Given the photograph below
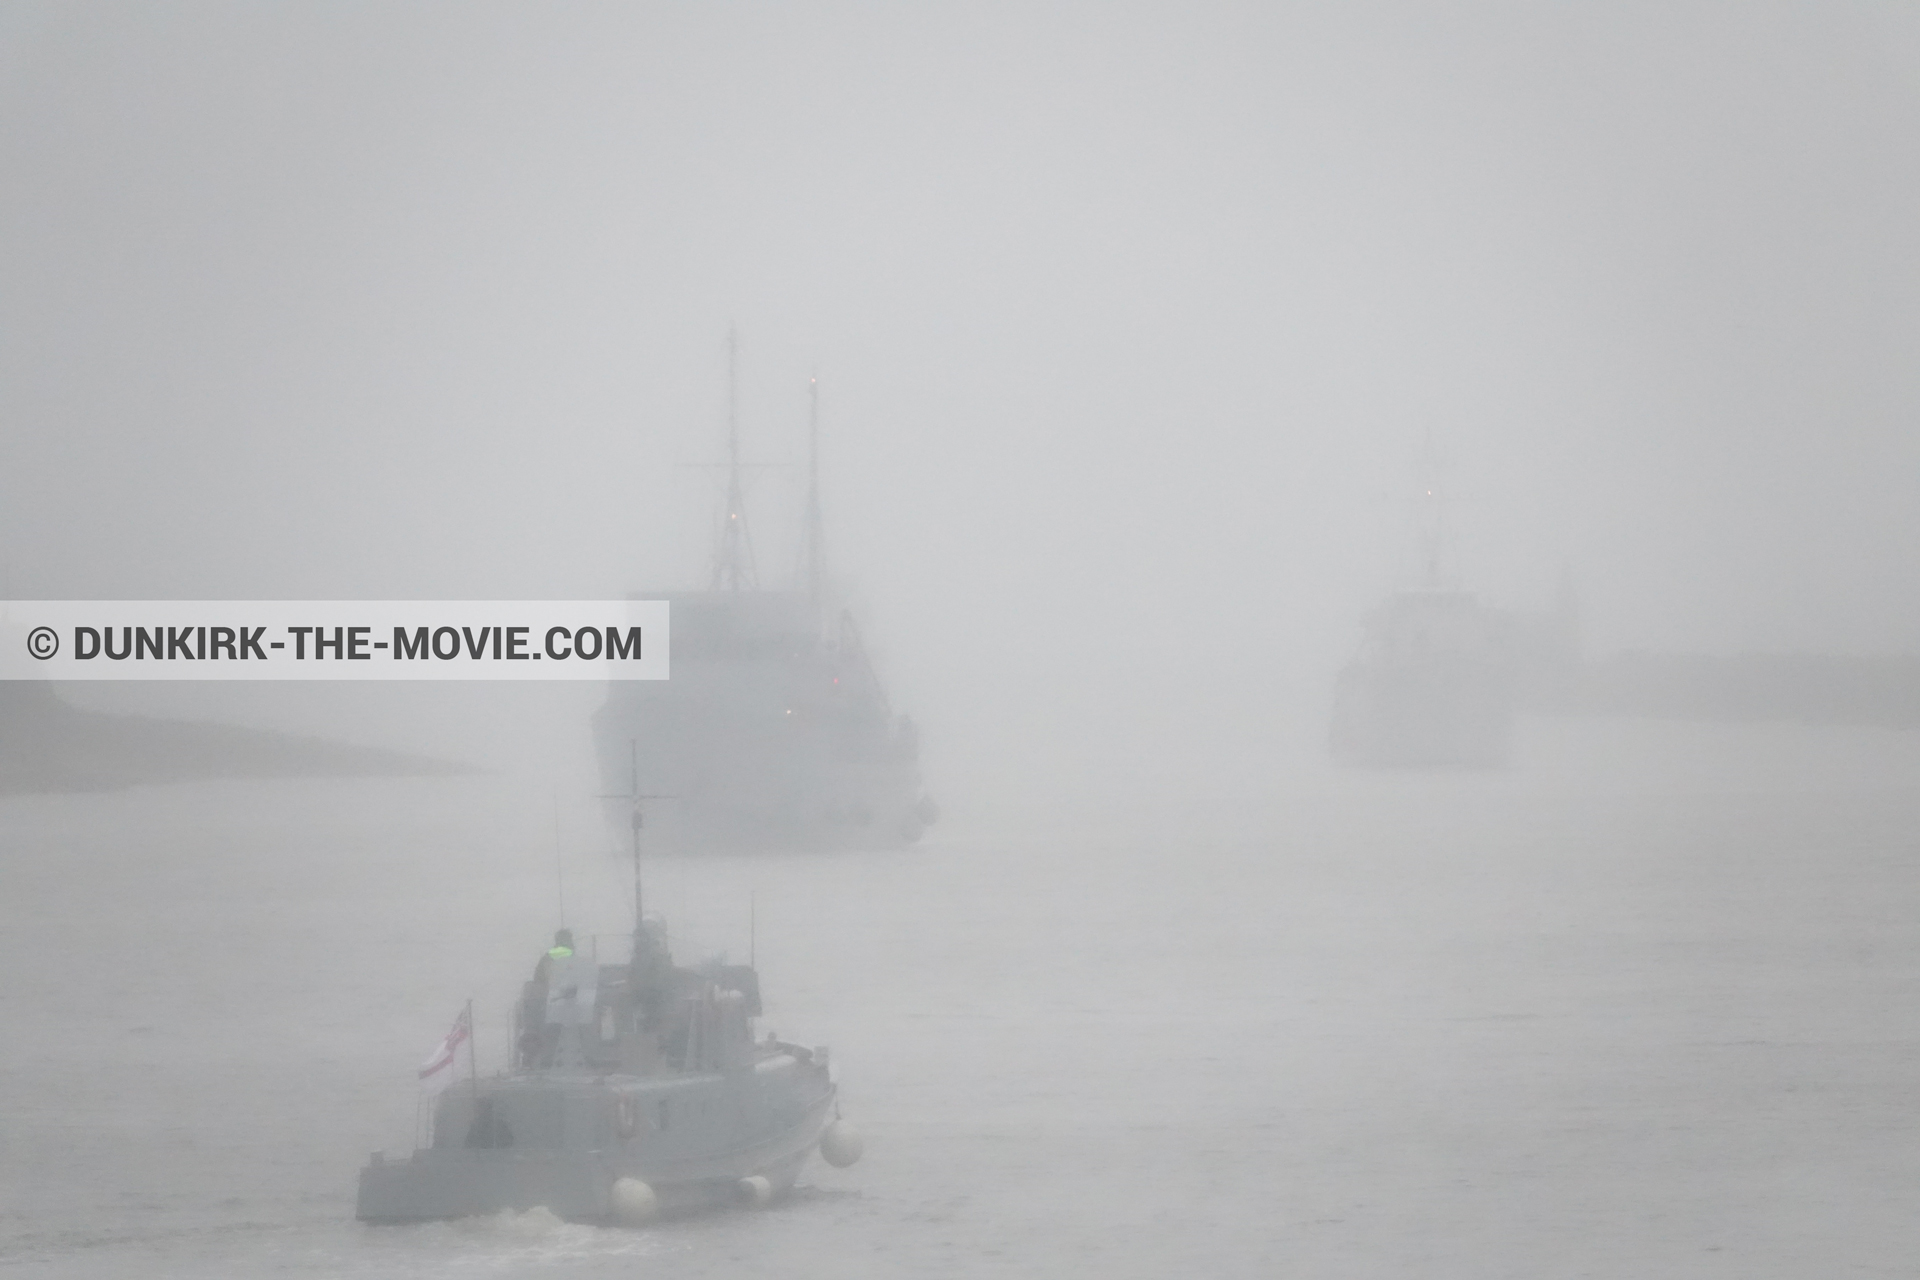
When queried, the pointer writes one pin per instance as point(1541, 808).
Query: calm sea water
point(1647, 1004)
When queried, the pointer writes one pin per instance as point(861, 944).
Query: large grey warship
point(774, 731)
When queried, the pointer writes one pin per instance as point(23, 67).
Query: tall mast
point(816, 542)
point(733, 559)
point(633, 795)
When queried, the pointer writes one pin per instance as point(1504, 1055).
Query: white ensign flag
point(437, 1071)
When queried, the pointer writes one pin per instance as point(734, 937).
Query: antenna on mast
point(816, 538)
point(635, 795)
point(733, 566)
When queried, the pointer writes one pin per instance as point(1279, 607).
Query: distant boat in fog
point(1439, 674)
point(773, 731)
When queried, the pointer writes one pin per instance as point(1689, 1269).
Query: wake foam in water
point(537, 1223)
point(508, 1243)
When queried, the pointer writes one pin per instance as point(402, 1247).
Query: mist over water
point(1131, 326)
point(1639, 1004)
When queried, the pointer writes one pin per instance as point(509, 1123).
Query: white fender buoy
point(756, 1190)
point(634, 1201)
point(841, 1144)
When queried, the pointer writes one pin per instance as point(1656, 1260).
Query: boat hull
point(1433, 687)
point(1443, 716)
point(577, 1184)
point(772, 734)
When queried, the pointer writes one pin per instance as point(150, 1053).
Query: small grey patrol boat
point(638, 1088)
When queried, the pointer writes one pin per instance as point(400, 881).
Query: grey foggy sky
point(1130, 320)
